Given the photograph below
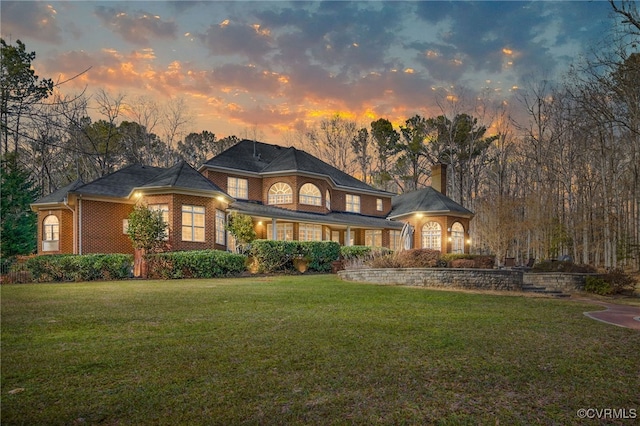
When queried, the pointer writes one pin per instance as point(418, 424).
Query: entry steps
point(543, 290)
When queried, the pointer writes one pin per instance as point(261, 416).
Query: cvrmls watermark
point(607, 413)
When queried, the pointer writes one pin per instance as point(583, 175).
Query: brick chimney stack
point(439, 178)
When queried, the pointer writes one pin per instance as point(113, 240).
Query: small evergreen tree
point(241, 227)
point(19, 223)
point(147, 229)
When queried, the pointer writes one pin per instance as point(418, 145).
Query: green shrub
point(88, 267)
point(278, 256)
point(619, 281)
point(354, 252)
point(562, 266)
point(321, 254)
point(195, 264)
point(275, 256)
point(597, 285)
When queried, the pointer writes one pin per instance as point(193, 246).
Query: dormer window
point(310, 194)
point(280, 193)
point(327, 200)
point(379, 204)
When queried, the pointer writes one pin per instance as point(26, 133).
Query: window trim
point(309, 229)
point(352, 203)
point(457, 238)
point(280, 193)
point(431, 232)
point(310, 198)
point(221, 232)
point(192, 226)
point(49, 233)
point(235, 185)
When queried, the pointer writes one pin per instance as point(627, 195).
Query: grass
point(304, 350)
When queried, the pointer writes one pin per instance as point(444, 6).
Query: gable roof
point(180, 176)
point(426, 200)
point(265, 159)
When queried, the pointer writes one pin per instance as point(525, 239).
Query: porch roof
point(344, 219)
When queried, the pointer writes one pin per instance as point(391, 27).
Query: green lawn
point(304, 350)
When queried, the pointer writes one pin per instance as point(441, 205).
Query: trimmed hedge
point(278, 256)
point(73, 267)
point(195, 264)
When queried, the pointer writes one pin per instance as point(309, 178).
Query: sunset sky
point(280, 66)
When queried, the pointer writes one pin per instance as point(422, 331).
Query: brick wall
point(102, 227)
point(175, 203)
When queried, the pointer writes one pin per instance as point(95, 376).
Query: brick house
point(290, 194)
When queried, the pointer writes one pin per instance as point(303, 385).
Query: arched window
point(310, 194)
point(432, 236)
point(50, 233)
point(51, 228)
point(327, 200)
point(457, 238)
point(280, 193)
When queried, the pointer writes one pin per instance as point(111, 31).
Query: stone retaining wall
point(557, 281)
point(485, 279)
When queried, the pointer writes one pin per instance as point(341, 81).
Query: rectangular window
point(164, 208)
point(353, 203)
point(379, 204)
point(335, 236)
point(309, 232)
point(220, 231)
point(193, 223)
point(373, 237)
point(395, 242)
point(284, 231)
point(238, 188)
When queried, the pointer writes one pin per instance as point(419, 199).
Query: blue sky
point(280, 66)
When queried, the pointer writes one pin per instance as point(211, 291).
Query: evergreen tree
point(19, 225)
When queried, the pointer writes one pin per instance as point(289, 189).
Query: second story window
point(327, 200)
point(379, 204)
point(310, 194)
point(280, 193)
point(353, 203)
point(238, 188)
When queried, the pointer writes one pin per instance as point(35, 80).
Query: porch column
point(274, 231)
point(347, 240)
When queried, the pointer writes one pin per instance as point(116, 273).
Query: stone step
point(543, 290)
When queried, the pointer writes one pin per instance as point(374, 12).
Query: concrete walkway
point(620, 315)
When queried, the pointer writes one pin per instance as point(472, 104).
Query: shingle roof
point(262, 158)
point(336, 218)
point(59, 195)
point(121, 183)
point(426, 200)
point(181, 176)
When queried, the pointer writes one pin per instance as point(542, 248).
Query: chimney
point(439, 178)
